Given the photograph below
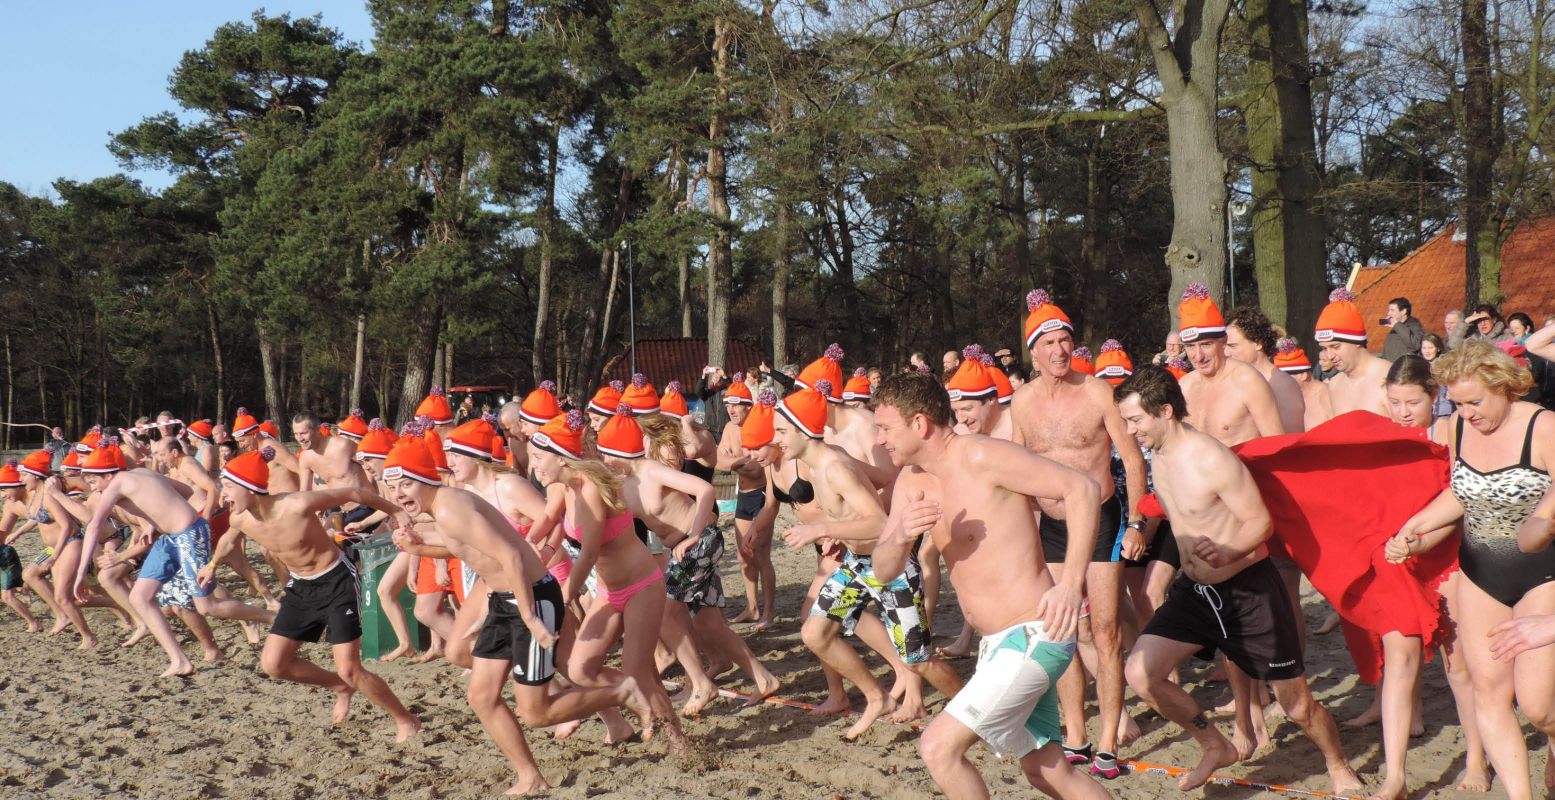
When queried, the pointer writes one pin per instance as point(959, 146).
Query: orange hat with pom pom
point(434, 442)
point(826, 368)
point(251, 470)
point(621, 436)
point(973, 379)
point(540, 406)
point(807, 408)
point(1291, 358)
point(641, 396)
point(353, 427)
point(38, 463)
point(106, 457)
point(738, 393)
point(1042, 317)
point(10, 478)
point(1178, 366)
point(673, 403)
point(857, 387)
point(1113, 365)
point(562, 436)
point(92, 438)
point(605, 401)
point(1341, 320)
point(326, 429)
point(377, 443)
point(472, 439)
point(1080, 361)
point(199, 429)
point(244, 424)
point(757, 432)
point(1197, 315)
point(410, 458)
point(436, 407)
point(72, 462)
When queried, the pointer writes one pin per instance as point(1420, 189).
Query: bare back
point(1287, 397)
point(477, 534)
point(159, 499)
point(1319, 405)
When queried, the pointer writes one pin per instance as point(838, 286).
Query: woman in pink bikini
point(629, 604)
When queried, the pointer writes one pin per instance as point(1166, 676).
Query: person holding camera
point(1405, 333)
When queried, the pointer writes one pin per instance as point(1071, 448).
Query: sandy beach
point(94, 724)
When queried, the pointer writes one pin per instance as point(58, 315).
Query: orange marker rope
point(1132, 766)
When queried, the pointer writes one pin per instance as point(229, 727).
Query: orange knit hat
point(973, 379)
point(199, 429)
point(72, 462)
point(621, 436)
point(1197, 315)
point(251, 470)
point(807, 408)
point(641, 396)
point(1341, 320)
point(105, 457)
point(1113, 365)
point(828, 368)
point(38, 463)
point(563, 435)
point(540, 405)
point(268, 429)
point(857, 387)
point(377, 443)
point(434, 442)
point(353, 427)
point(1043, 317)
point(410, 458)
point(472, 439)
point(757, 433)
point(92, 438)
point(436, 407)
point(1291, 358)
point(1178, 366)
point(673, 403)
point(738, 392)
point(605, 401)
point(1080, 361)
point(10, 478)
point(244, 424)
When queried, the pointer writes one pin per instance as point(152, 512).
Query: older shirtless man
point(753, 520)
point(1069, 418)
point(1252, 340)
point(1361, 383)
point(176, 556)
point(973, 494)
point(322, 593)
point(1230, 399)
point(1228, 597)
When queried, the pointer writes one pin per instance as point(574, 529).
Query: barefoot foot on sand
point(765, 688)
point(87, 643)
point(178, 669)
point(1347, 783)
point(528, 786)
point(700, 698)
point(1222, 754)
point(617, 729)
point(1330, 622)
point(1128, 730)
point(402, 650)
point(342, 710)
point(136, 635)
point(430, 655)
point(1391, 789)
point(407, 728)
point(873, 708)
point(833, 705)
point(909, 709)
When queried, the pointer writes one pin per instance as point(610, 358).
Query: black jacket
point(1403, 339)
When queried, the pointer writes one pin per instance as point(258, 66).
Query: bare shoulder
point(1024, 396)
point(1098, 391)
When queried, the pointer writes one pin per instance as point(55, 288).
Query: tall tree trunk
point(543, 296)
point(720, 255)
point(780, 269)
point(10, 394)
point(420, 354)
point(1186, 61)
point(589, 352)
point(270, 367)
point(1479, 142)
point(1288, 252)
point(102, 370)
point(610, 301)
point(683, 191)
point(437, 366)
point(1092, 251)
point(448, 363)
point(359, 358)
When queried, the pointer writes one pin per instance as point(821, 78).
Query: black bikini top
point(800, 493)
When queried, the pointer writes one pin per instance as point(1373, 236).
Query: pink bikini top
point(614, 527)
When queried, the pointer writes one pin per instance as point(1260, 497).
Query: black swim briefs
point(1248, 616)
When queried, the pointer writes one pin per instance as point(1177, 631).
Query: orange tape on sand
point(1131, 765)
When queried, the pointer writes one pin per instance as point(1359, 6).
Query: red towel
point(1336, 494)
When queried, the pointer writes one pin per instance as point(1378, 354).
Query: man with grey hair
point(1453, 329)
point(509, 419)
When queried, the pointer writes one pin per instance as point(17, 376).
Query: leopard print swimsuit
point(1495, 504)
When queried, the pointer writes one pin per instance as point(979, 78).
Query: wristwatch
point(1138, 525)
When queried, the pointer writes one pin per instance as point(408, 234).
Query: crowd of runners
point(1100, 523)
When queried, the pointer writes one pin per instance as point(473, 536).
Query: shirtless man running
point(1252, 340)
point(322, 592)
point(753, 521)
point(176, 556)
point(1227, 597)
point(1361, 384)
point(973, 495)
point(1069, 418)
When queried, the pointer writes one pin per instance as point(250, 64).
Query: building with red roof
point(1431, 278)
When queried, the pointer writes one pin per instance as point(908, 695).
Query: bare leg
point(1295, 696)
point(675, 635)
point(1531, 670)
point(456, 648)
point(143, 596)
point(1154, 658)
point(1494, 689)
point(836, 694)
point(201, 629)
point(710, 623)
point(1476, 770)
point(432, 611)
point(1401, 669)
point(232, 608)
point(36, 578)
point(115, 580)
point(1103, 583)
point(348, 667)
point(487, 678)
point(21, 608)
point(821, 635)
point(928, 566)
point(750, 571)
point(63, 573)
point(389, 586)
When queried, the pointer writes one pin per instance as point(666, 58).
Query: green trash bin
point(374, 555)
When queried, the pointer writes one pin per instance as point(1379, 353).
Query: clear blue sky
point(74, 74)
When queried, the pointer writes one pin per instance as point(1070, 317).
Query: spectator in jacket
point(1404, 331)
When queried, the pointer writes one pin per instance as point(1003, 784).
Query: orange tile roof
point(665, 360)
point(1432, 279)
